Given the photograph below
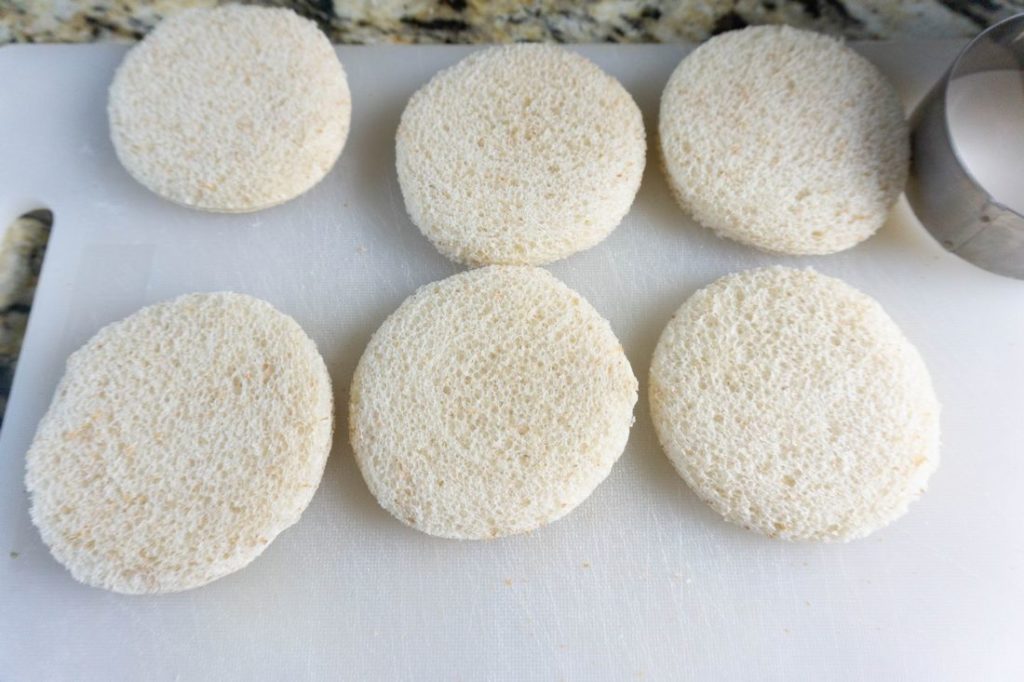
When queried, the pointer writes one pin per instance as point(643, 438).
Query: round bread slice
point(490, 403)
point(783, 139)
point(521, 155)
point(793, 405)
point(230, 109)
point(180, 442)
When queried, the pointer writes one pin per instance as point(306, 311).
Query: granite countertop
point(454, 21)
point(482, 21)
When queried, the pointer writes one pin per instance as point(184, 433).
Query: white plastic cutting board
point(642, 581)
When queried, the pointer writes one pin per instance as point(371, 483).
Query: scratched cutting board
point(643, 580)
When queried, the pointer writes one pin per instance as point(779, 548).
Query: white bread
point(230, 109)
point(180, 442)
point(490, 403)
point(522, 155)
point(794, 406)
point(783, 139)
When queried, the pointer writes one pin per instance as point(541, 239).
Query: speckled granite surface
point(462, 21)
point(21, 257)
point(454, 21)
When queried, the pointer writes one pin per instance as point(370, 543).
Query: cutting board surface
point(642, 581)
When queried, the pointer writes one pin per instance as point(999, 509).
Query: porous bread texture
point(490, 403)
point(230, 109)
point(180, 442)
point(784, 140)
point(794, 406)
point(521, 155)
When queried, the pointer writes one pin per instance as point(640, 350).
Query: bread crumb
point(761, 347)
point(478, 347)
point(797, 156)
point(232, 109)
point(541, 162)
point(206, 475)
